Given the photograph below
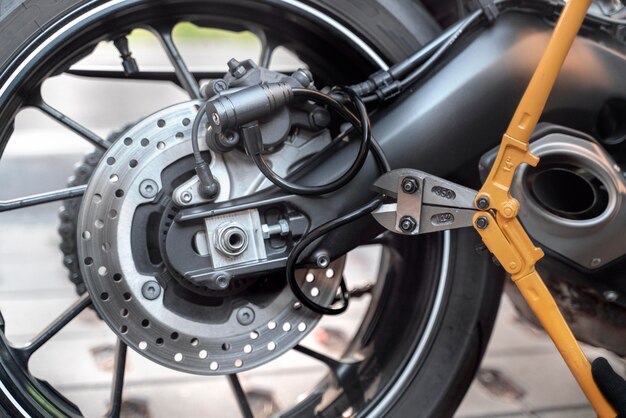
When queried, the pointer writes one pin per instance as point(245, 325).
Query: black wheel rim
point(410, 292)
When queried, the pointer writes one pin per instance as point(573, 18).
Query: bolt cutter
point(426, 203)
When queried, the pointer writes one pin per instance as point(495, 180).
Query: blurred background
point(522, 374)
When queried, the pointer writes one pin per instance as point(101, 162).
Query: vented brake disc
point(174, 328)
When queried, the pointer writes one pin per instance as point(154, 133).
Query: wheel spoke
point(72, 125)
point(117, 386)
point(54, 327)
point(242, 399)
point(345, 374)
point(268, 45)
point(331, 363)
point(146, 75)
point(39, 199)
point(185, 77)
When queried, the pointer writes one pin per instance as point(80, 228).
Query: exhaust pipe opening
point(568, 191)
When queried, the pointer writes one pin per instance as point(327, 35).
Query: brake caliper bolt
point(236, 68)
point(407, 223)
point(186, 197)
point(595, 262)
point(322, 260)
point(482, 222)
point(610, 295)
point(148, 188)
point(216, 118)
point(245, 316)
point(410, 185)
point(482, 203)
point(151, 290)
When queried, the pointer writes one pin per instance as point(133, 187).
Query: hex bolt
point(482, 203)
point(186, 196)
point(410, 185)
point(282, 228)
point(151, 290)
point(407, 223)
point(322, 260)
point(245, 315)
point(148, 188)
point(222, 281)
point(482, 222)
point(236, 69)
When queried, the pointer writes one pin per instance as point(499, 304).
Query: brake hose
point(383, 164)
point(253, 143)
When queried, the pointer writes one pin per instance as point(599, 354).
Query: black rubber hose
point(361, 124)
point(306, 241)
point(434, 58)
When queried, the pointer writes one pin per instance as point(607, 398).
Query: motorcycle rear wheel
point(430, 319)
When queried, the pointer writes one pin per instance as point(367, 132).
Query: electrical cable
point(420, 71)
point(252, 137)
point(311, 237)
point(306, 240)
point(404, 67)
point(385, 84)
point(210, 188)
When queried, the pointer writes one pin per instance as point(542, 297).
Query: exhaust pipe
point(573, 201)
point(567, 191)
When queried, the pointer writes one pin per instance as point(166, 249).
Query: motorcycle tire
point(436, 378)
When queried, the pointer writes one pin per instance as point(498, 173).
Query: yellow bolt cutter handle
point(501, 231)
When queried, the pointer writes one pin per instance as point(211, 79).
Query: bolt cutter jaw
point(423, 203)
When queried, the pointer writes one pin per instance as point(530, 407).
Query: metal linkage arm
point(497, 221)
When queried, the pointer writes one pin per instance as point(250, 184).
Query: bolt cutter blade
point(423, 203)
point(386, 216)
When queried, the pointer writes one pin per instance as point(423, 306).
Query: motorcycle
point(211, 236)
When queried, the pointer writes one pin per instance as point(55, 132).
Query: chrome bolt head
point(148, 188)
point(410, 185)
point(322, 260)
point(186, 196)
point(151, 290)
point(407, 224)
point(222, 281)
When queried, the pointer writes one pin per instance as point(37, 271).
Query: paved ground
point(521, 376)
